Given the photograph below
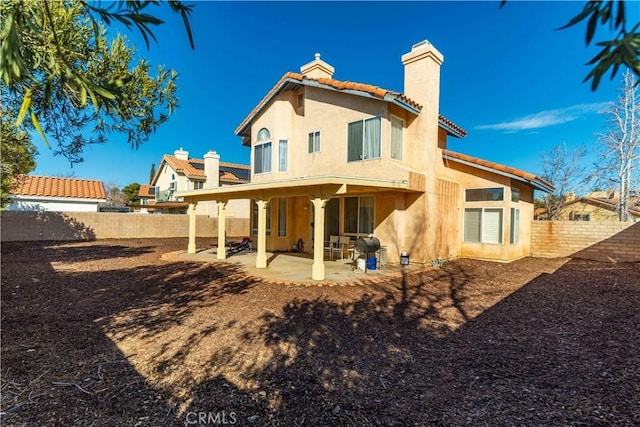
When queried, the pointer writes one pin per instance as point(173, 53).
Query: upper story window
point(314, 142)
point(283, 155)
point(363, 139)
point(397, 128)
point(262, 152)
point(515, 195)
point(263, 135)
point(484, 194)
point(198, 185)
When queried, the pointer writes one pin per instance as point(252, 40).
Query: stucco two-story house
point(332, 157)
point(52, 193)
point(179, 172)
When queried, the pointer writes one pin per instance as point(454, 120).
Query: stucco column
point(222, 230)
point(317, 271)
point(192, 228)
point(261, 256)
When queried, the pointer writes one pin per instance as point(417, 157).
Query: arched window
point(264, 135)
point(262, 152)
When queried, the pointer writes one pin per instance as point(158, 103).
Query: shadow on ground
point(133, 340)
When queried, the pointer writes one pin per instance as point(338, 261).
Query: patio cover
point(319, 189)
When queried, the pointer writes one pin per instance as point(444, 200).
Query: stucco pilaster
point(222, 230)
point(261, 256)
point(317, 271)
point(192, 228)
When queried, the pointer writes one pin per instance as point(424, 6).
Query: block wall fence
point(600, 241)
point(34, 226)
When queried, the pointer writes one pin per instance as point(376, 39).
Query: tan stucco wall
point(469, 178)
point(330, 113)
point(34, 226)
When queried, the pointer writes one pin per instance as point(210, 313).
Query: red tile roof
point(347, 87)
point(521, 175)
point(147, 191)
point(194, 168)
point(53, 186)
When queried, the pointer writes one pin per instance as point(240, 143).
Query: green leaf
point(26, 104)
point(83, 95)
point(36, 124)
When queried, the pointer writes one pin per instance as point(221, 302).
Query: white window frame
point(283, 163)
point(313, 146)
point(484, 239)
point(364, 155)
point(263, 139)
point(514, 233)
point(198, 185)
point(265, 164)
point(392, 149)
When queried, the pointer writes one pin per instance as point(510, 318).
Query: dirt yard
point(108, 333)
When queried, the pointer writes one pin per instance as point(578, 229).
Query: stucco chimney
point(181, 154)
point(212, 169)
point(422, 85)
point(422, 74)
point(317, 69)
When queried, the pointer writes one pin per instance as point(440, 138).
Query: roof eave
point(536, 183)
point(450, 130)
point(242, 127)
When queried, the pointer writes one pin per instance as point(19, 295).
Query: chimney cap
point(317, 68)
point(421, 50)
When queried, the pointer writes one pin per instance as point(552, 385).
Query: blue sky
point(509, 77)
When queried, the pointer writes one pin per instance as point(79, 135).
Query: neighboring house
point(146, 199)
point(597, 207)
point(179, 172)
point(51, 193)
point(333, 157)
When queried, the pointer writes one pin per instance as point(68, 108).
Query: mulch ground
point(109, 333)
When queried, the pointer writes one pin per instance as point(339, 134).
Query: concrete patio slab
point(296, 268)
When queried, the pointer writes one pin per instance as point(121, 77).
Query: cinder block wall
point(601, 241)
point(29, 226)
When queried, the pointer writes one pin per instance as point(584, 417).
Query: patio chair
point(333, 246)
point(344, 243)
point(235, 248)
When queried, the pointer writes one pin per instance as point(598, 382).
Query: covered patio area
point(319, 191)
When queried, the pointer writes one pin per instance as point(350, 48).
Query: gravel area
point(113, 333)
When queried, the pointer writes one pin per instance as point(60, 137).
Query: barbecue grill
point(367, 245)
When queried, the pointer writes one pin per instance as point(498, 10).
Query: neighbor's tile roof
point(194, 169)
point(53, 186)
point(518, 174)
point(147, 191)
point(346, 87)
